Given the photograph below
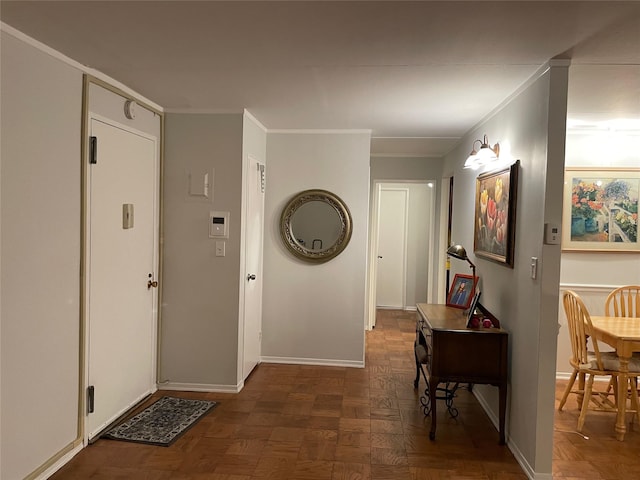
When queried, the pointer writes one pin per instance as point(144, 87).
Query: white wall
point(315, 313)
point(199, 331)
point(530, 127)
point(40, 256)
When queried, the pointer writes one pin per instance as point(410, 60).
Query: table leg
point(623, 384)
point(417, 380)
point(503, 410)
point(433, 385)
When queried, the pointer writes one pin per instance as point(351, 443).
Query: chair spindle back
point(623, 302)
point(579, 322)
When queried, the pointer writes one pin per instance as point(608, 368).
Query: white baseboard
point(314, 361)
point(61, 462)
point(200, 387)
point(520, 458)
point(529, 472)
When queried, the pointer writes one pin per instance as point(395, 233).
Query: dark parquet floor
point(295, 422)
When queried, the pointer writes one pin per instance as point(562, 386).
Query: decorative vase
point(590, 225)
point(577, 226)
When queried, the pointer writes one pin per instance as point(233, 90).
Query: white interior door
point(122, 259)
point(253, 272)
point(392, 246)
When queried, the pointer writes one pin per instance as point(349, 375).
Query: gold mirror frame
point(286, 231)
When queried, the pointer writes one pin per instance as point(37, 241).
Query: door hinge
point(90, 398)
point(93, 150)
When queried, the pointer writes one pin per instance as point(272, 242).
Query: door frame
point(85, 253)
point(373, 244)
point(248, 159)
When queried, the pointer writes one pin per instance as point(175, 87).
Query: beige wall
point(316, 313)
point(40, 256)
point(200, 291)
point(531, 127)
point(406, 168)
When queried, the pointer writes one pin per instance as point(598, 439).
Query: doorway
point(402, 219)
point(393, 209)
point(254, 213)
point(121, 256)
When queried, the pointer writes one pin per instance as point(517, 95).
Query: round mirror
point(315, 225)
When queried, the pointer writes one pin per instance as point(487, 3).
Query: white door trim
point(244, 241)
point(86, 248)
point(442, 256)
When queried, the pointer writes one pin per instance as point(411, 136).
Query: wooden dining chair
point(624, 302)
point(588, 364)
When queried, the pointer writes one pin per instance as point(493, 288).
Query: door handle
point(379, 256)
point(250, 277)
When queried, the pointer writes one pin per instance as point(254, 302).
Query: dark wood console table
point(451, 352)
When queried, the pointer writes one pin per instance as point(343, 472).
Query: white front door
point(253, 270)
point(122, 260)
point(392, 246)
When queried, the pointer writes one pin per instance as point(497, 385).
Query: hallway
point(319, 423)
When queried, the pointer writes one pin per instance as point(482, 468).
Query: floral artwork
point(495, 215)
point(601, 209)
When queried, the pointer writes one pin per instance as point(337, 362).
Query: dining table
point(623, 334)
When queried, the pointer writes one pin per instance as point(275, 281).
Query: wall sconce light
point(458, 251)
point(484, 155)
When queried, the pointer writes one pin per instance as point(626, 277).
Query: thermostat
point(218, 224)
point(551, 234)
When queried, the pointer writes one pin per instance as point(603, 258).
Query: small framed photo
point(461, 292)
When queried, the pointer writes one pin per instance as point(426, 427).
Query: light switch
point(220, 248)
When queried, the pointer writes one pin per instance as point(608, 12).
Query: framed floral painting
point(600, 209)
point(495, 215)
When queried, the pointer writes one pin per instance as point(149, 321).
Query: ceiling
point(419, 75)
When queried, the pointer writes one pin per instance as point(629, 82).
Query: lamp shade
point(457, 251)
point(482, 156)
point(486, 154)
point(472, 161)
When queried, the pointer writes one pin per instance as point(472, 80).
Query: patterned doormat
point(162, 422)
